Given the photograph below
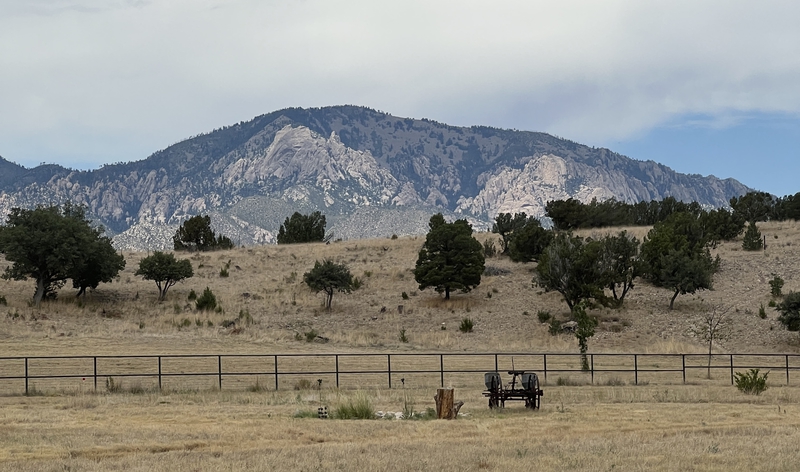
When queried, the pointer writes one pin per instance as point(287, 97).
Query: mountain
point(372, 174)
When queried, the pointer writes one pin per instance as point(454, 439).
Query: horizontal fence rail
point(301, 371)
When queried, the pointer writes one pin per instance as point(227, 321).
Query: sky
point(705, 87)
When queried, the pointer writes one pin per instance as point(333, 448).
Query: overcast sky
point(707, 87)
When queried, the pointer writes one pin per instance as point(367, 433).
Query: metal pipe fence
point(33, 374)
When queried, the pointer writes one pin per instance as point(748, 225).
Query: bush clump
point(751, 382)
point(544, 316)
point(207, 301)
point(775, 286)
point(358, 408)
point(466, 325)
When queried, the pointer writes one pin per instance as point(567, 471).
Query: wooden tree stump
point(446, 407)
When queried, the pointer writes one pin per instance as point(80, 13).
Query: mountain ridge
point(339, 160)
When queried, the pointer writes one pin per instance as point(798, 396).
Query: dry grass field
point(700, 426)
point(578, 428)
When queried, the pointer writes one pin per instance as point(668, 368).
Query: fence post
point(159, 374)
point(495, 364)
point(636, 369)
point(441, 368)
point(337, 371)
point(731, 369)
point(787, 369)
point(276, 372)
point(26, 376)
point(591, 357)
point(389, 368)
point(683, 366)
point(95, 373)
point(544, 361)
point(219, 370)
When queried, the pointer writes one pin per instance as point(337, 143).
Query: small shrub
point(3, 300)
point(357, 283)
point(358, 408)
point(305, 414)
point(185, 323)
point(256, 387)
point(112, 386)
point(244, 316)
point(404, 295)
point(555, 326)
point(137, 389)
point(772, 304)
point(367, 273)
point(310, 335)
point(762, 313)
point(489, 250)
point(192, 295)
point(544, 316)
point(223, 272)
point(302, 384)
point(466, 325)
point(776, 285)
point(751, 382)
point(488, 294)
point(403, 337)
point(394, 236)
point(141, 325)
point(228, 323)
point(209, 324)
point(198, 322)
point(207, 301)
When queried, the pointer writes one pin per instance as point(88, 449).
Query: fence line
point(344, 370)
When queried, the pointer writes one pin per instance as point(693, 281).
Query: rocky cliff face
point(372, 174)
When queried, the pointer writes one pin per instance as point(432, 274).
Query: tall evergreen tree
point(752, 238)
point(195, 234)
point(528, 243)
point(301, 228)
point(450, 259)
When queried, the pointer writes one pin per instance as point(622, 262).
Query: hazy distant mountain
point(371, 173)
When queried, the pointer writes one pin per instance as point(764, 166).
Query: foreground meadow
point(578, 428)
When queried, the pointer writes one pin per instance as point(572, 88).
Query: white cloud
point(154, 72)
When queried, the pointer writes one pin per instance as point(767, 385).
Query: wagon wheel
point(534, 400)
point(492, 401)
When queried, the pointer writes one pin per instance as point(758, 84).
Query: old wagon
point(524, 386)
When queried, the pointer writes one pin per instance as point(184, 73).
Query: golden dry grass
point(578, 428)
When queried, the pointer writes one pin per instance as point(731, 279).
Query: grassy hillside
point(275, 311)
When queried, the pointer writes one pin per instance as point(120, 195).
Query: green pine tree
point(451, 258)
point(752, 238)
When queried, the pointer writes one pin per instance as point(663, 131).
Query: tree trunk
point(447, 293)
point(40, 287)
point(672, 301)
point(446, 408)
